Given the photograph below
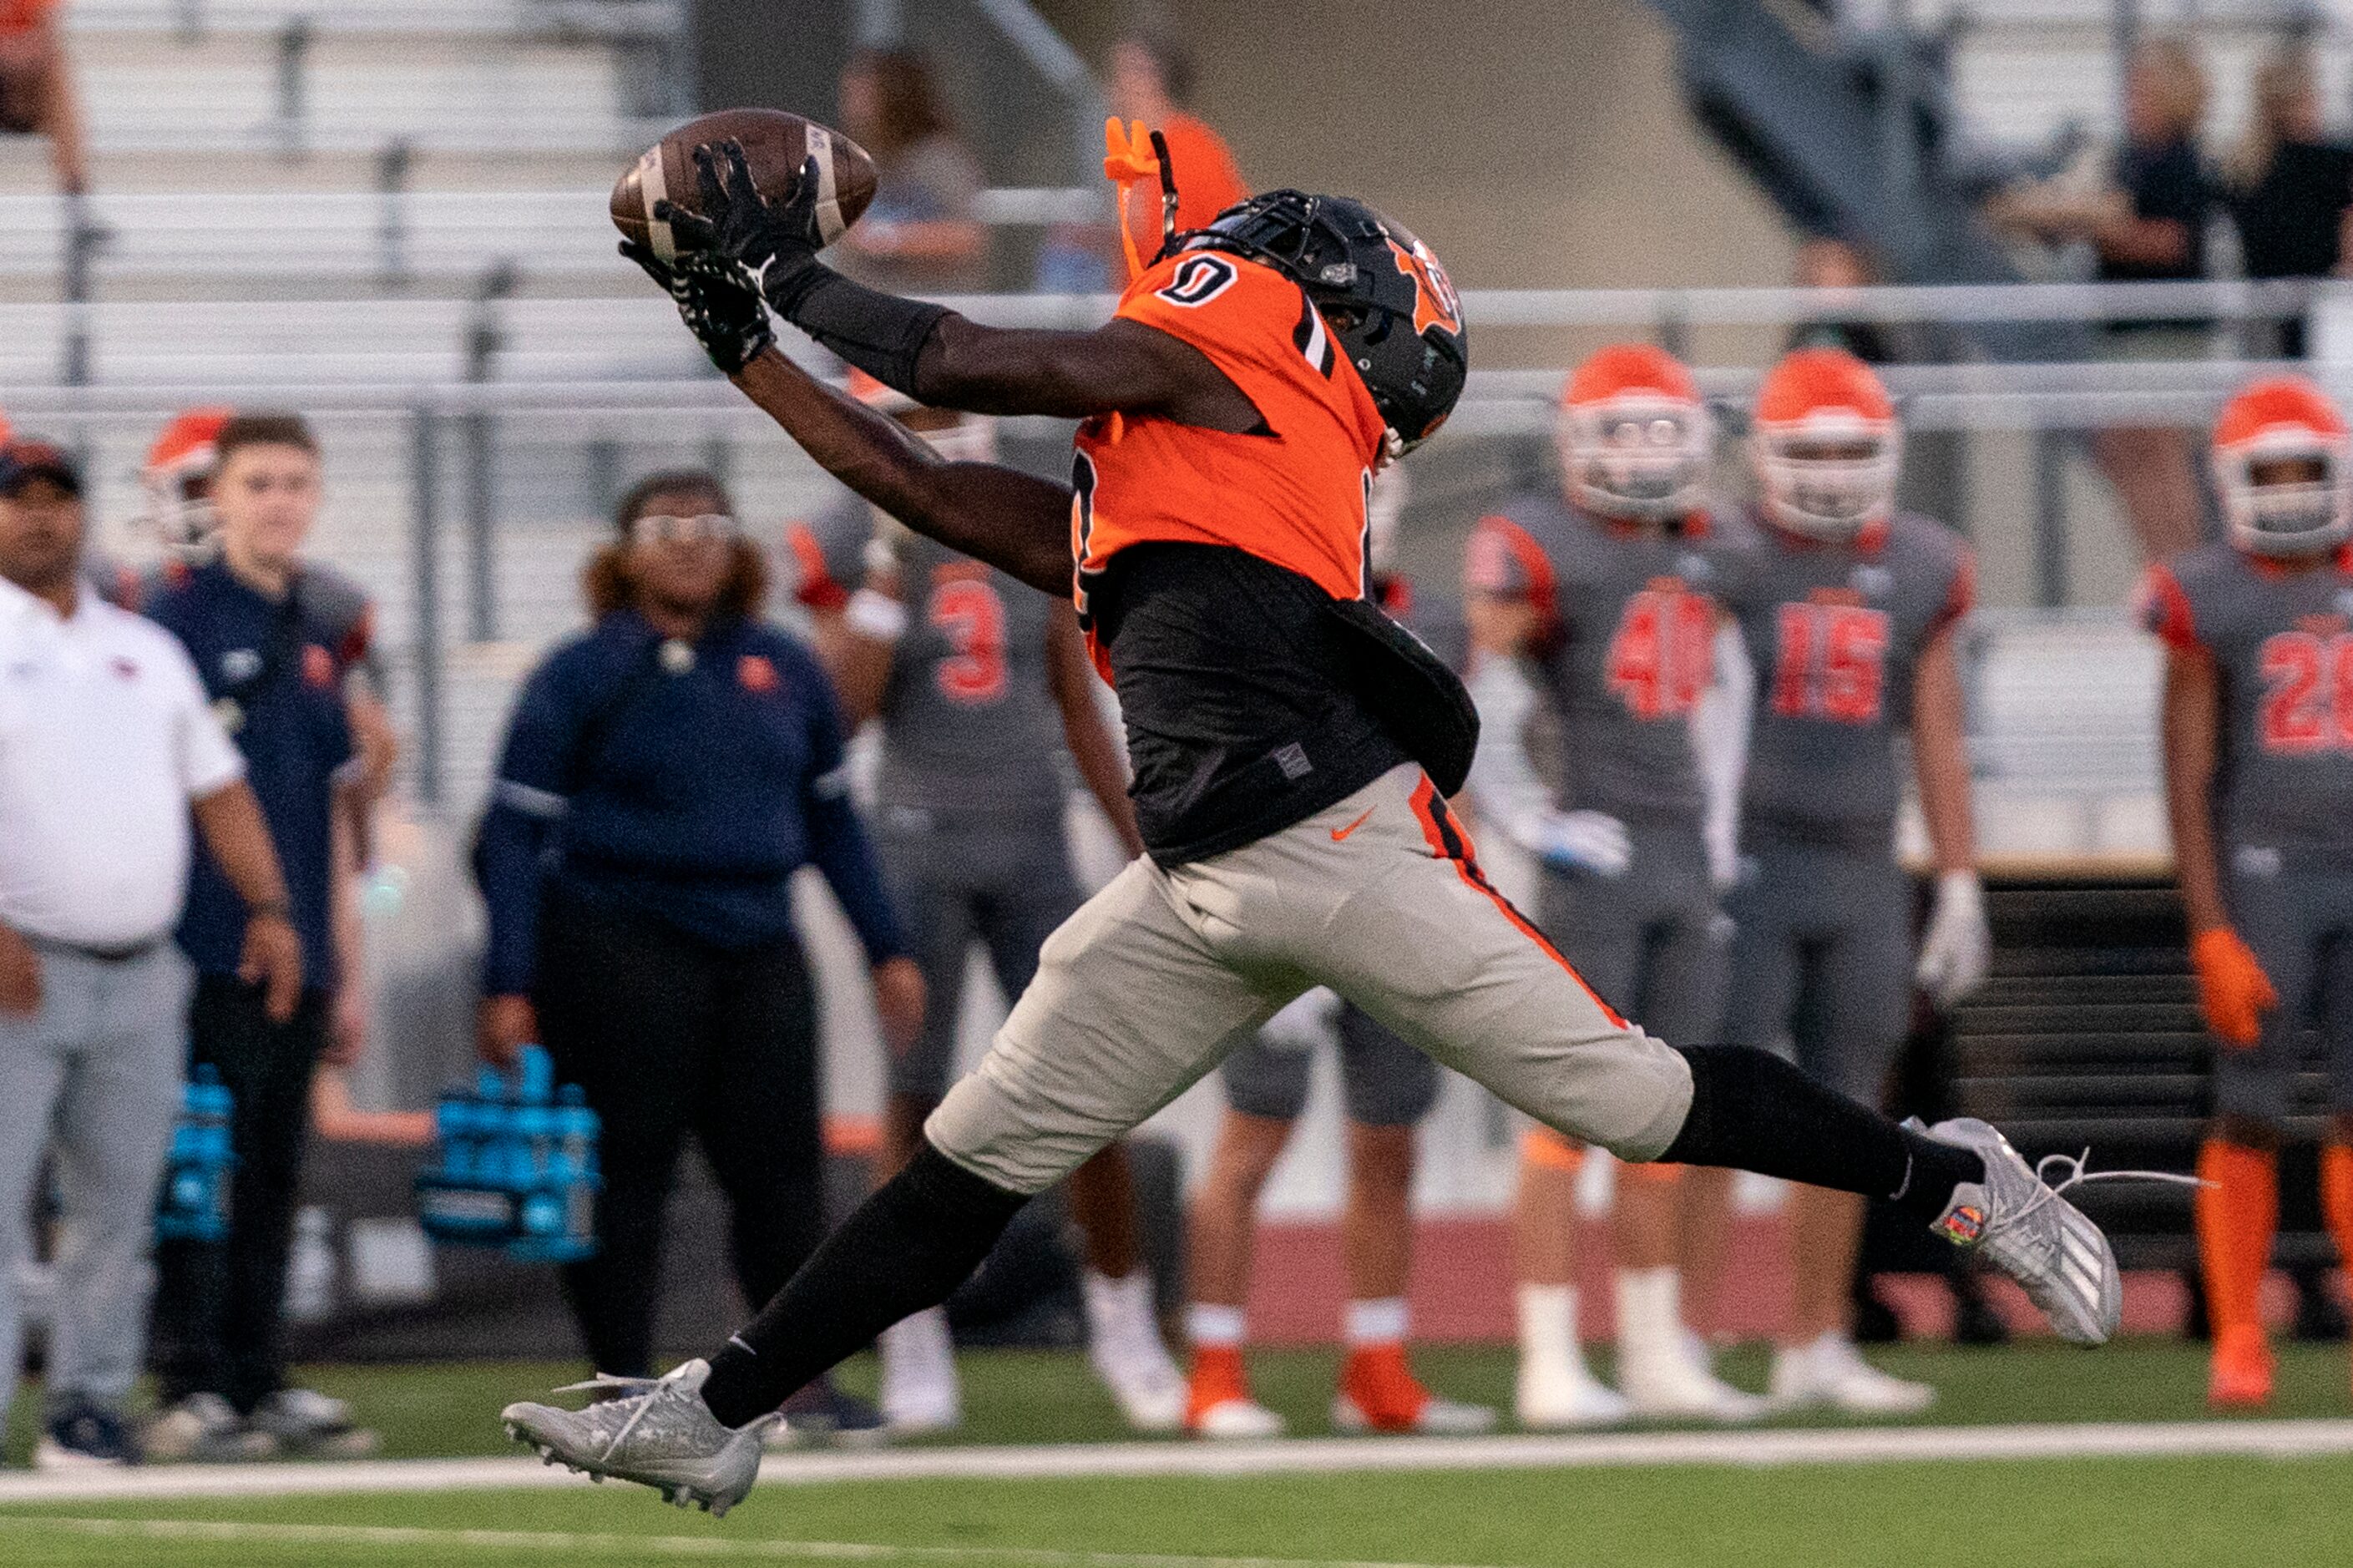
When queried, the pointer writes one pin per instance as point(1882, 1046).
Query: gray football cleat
point(2031, 1233)
point(654, 1431)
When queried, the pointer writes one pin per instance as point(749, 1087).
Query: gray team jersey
point(969, 724)
point(1625, 647)
point(1835, 632)
point(2283, 646)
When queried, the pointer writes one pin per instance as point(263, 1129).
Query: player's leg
point(1032, 892)
point(1389, 1088)
point(1663, 1368)
point(919, 1391)
point(1555, 1388)
point(2238, 1209)
point(1130, 1006)
point(1266, 1088)
point(1848, 1024)
point(2336, 998)
point(1401, 920)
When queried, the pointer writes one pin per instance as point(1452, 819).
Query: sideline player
point(2258, 630)
point(1291, 747)
point(980, 684)
point(1388, 1088)
point(1847, 608)
point(1601, 590)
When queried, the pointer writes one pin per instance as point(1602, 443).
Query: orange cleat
point(2240, 1375)
point(1379, 1392)
point(1217, 1402)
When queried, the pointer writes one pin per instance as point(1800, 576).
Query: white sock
point(1381, 1322)
point(1212, 1326)
point(1548, 1326)
point(1111, 1302)
point(1650, 1311)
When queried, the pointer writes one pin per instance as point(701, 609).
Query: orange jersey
point(1206, 183)
point(1293, 493)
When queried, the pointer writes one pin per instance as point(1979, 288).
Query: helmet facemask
point(1831, 475)
point(2286, 493)
point(179, 508)
point(1641, 458)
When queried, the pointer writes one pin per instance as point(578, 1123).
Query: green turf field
point(2146, 1513)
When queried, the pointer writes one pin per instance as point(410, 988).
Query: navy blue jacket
point(687, 788)
point(275, 674)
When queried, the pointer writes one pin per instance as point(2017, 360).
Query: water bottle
point(193, 1202)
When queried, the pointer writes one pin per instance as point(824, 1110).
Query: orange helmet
point(1633, 435)
point(970, 438)
point(178, 480)
point(2284, 420)
point(1825, 442)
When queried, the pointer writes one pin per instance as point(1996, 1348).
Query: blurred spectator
point(1152, 80)
point(2290, 192)
point(1823, 263)
point(38, 97)
point(277, 673)
point(2147, 226)
point(920, 236)
point(105, 739)
point(663, 776)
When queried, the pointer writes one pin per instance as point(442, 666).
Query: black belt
point(136, 950)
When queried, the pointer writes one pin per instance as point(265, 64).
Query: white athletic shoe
point(1555, 1396)
point(1830, 1372)
point(654, 1431)
point(1437, 1419)
point(204, 1428)
point(919, 1392)
point(2026, 1229)
point(1237, 1418)
point(1667, 1383)
point(1123, 1346)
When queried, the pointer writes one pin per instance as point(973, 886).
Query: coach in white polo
point(108, 752)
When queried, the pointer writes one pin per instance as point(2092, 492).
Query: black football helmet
point(1388, 303)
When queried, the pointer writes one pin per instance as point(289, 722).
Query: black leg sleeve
point(906, 1247)
point(1754, 1111)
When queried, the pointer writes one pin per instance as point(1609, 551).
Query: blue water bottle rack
point(193, 1204)
point(517, 1165)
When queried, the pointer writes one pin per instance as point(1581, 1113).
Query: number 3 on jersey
point(1662, 652)
point(969, 614)
point(2308, 693)
point(1831, 664)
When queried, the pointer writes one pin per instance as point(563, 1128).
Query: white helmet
point(2278, 421)
point(1634, 435)
point(1826, 444)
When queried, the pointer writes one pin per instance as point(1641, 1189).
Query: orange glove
point(2232, 988)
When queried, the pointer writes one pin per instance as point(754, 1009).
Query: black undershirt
point(1235, 687)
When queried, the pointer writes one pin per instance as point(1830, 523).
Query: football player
point(2258, 725)
point(980, 683)
point(1388, 1088)
point(1291, 749)
point(1846, 608)
point(1601, 590)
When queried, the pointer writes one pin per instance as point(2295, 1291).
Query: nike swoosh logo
point(1340, 833)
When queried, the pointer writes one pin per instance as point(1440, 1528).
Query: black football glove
point(723, 311)
point(774, 244)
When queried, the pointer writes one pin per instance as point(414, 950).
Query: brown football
point(776, 144)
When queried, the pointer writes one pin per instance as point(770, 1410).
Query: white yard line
point(572, 1543)
point(1835, 1446)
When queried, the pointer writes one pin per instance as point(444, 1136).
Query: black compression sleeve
point(907, 1246)
point(881, 334)
point(1754, 1111)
